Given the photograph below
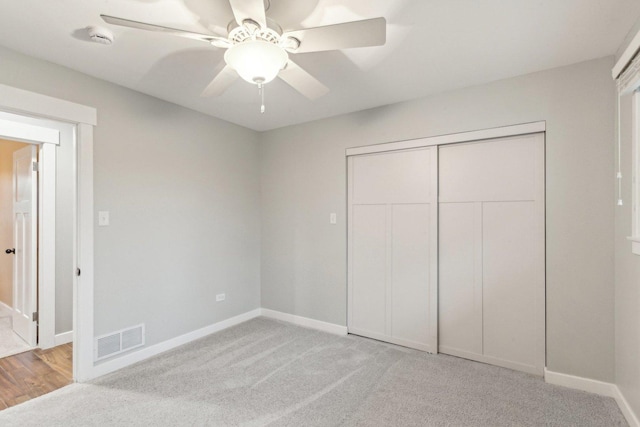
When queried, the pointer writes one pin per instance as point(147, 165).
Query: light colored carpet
point(10, 343)
point(5, 311)
point(265, 372)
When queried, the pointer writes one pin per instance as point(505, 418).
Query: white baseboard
point(596, 387)
point(580, 383)
point(146, 352)
point(63, 338)
point(628, 413)
point(305, 321)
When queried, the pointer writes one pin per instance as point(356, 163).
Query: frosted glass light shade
point(256, 61)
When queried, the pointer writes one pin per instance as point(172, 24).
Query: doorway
point(49, 306)
point(43, 298)
point(27, 105)
point(30, 351)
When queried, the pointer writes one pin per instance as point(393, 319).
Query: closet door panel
point(396, 177)
point(491, 251)
point(460, 280)
point(369, 268)
point(496, 170)
point(410, 272)
point(392, 247)
point(509, 272)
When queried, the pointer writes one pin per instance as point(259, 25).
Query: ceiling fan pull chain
point(261, 92)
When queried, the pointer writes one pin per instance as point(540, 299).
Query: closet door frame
point(471, 136)
point(454, 138)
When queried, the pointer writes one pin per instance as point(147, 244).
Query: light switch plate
point(103, 218)
point(333, 218)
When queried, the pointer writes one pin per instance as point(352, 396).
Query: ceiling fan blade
point(159, 28)
point(369, 32)
point(249, 9)
point(302, 81)
point(221, 82)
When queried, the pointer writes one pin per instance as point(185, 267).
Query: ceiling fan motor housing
point(253, 31)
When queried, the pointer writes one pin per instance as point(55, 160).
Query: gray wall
point(183, 193)
point(303, 180)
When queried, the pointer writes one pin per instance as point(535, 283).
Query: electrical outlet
point(220, 297)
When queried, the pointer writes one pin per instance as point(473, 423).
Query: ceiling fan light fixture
point(256, 61)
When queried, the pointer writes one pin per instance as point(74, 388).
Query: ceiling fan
point(258, 49)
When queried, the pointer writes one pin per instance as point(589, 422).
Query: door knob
point(10, 251)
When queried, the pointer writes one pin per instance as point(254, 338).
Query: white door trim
point(23, 132)
point(454, 138)
point(32, 104)
point(14, 100)
point(83, 253)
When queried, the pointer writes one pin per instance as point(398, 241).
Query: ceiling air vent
point(118, 342)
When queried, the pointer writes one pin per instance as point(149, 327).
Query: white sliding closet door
point(392, 247)
point(491, 252)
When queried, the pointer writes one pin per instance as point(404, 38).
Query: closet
point(446, 245)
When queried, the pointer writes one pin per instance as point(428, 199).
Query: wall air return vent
point(118, 342)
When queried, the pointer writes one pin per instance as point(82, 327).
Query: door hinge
point(34, 316)
point(36, 167)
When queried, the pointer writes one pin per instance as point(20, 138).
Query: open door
point(25, 208)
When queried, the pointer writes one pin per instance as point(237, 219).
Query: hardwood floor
point(34, 373)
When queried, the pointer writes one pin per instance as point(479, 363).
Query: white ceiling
point(432, 46)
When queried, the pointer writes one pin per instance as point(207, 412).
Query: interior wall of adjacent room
point(182, 190)
point(6, 218)
point(303, 180)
